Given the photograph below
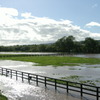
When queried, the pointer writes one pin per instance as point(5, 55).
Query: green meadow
point(54, 60)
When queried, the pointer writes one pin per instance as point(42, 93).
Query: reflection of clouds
point(29, 29)
point(16, 90)
point(15, 64)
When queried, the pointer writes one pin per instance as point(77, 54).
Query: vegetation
point(54, 60)
point(64, 44)
point(3, 97)
point(75, 78)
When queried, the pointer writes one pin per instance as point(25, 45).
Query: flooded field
point(89, 73)
point(21, 91)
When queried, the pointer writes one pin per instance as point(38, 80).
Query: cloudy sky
point(44, 21)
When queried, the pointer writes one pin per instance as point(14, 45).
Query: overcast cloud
point(18, 29)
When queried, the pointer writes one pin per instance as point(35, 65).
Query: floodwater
point(88, 55)
point(17, 90)
point(29, 53)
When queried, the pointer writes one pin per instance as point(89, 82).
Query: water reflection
point(15, 90)
point(88, 55)
point(82, 70)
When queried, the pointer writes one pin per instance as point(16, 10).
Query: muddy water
point(22, 91)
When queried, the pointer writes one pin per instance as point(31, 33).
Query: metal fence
point(56, 83)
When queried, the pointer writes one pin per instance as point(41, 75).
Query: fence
point(56, 83)
point(25, 55)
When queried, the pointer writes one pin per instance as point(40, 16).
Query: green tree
point(91, 45)
point(65, 44)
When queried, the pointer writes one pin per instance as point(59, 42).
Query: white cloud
point(8, 11)
point(93, 24)
point(26, 15)
point(8, 16)
point(34, 30)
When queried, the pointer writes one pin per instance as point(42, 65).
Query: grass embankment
point(54, 60)
point(3, 97)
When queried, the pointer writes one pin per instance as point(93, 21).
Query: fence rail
point(25, 55)
point(56, 83)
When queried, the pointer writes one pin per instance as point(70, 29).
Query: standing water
point(16, 90)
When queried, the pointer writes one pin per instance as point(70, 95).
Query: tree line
point(64, 44)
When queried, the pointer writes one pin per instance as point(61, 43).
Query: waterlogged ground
point(84, 73)
point(16, 90)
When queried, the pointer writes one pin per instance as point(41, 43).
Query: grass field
point(54, 60)
point(3, 97)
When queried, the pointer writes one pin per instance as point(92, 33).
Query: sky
point(25, 22)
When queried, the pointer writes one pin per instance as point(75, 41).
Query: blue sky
point(81, 15)
point(79, 11)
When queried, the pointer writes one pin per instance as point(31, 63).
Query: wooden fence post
point(16, 75)
point(67, 86)
point(29, 78)
point(37, 80)
point(97, 93)
point(7, 72)
point(11, 73)
point(45, 82)
point(55, 84)
point(22, 77)
point(81, 87)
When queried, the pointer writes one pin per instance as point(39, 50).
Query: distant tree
point(91, 45)
point(60, 45)
point(70, 44)
point(65, 44)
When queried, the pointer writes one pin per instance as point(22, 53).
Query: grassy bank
point(54, 60)
point(3, 97)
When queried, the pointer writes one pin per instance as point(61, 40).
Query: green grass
point(54, 60)
point(3, 97)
